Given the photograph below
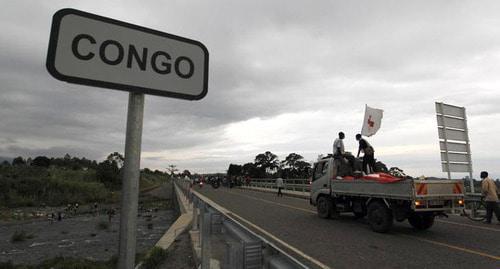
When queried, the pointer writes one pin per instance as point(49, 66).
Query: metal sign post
point(130, 184)
point(92, 50)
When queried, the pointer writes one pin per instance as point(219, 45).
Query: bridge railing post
point(195, 215)
point(205, 240)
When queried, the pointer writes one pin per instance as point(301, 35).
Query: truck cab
point(323, 171)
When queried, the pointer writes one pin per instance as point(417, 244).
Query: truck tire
point(379, 217)
point(324, 207)
point(359, 215)
point(421, 221)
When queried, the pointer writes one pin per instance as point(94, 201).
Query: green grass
point(32, 186)
point(20, 236)
point(70, 263)
point(64, 263)
point(155, 258)
point(102, 225)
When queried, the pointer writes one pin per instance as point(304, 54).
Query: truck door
point(320, 179)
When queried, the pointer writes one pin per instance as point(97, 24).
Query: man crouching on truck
point(368, 154)
point(489, 190)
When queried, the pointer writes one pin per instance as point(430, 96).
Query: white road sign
point(452, 146)
point(449, 134)
point(450, 110)
point(452, 125)
point(97, 51)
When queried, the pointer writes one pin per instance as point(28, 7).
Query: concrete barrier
point(182, 222)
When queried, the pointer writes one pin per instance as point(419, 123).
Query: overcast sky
point(285, 76)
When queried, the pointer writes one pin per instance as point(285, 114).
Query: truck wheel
point(379, 217)
point(359, 215)
point(421, 221)
point(324, 207)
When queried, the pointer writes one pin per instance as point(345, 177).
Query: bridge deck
point(455, 242)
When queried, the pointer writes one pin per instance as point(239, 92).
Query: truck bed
point(407, 189)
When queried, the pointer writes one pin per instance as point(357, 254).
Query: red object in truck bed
point(379, 177)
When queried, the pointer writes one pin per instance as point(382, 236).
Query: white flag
point(372, 121)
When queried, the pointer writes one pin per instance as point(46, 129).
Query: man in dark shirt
point(368, 157)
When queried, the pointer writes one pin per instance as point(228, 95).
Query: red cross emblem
point(370, 122)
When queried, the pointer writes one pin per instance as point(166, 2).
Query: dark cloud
point(74, 151)
point(267, 58)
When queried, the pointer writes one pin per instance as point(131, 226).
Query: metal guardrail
point(241, 247)
point(301, 185)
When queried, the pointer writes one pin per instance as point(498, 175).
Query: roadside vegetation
point(102, 225)
point(20, 236)
point(44, 181)
point(155, 258)
point(73, 263)
point(64, 263)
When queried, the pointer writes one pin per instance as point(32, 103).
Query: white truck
point(419, 201)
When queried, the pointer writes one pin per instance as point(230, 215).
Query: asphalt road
point(453, 242)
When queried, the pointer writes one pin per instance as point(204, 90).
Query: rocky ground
point(85, 235)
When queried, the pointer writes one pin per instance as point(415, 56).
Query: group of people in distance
point(365, 147)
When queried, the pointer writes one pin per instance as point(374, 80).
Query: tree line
point(267, 165)
point(61, 180)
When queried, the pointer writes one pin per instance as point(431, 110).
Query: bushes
point(74, 263)
point(60, 184)
point(29, 186)
point(20, 236)
point(102, 225)
point(155, 258)
point(59, 192)
point(88, 175)
point(7, 265)
point(64, 263)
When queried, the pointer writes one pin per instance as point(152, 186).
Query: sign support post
point(472, 189)
point(130, 183)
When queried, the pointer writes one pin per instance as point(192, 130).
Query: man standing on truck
point(368, 154)
point(489, 190)
point(341, 157)
point(338, 145)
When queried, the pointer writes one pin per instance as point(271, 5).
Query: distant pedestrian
point(368, 154)
point(111, 213)
point(59, 216)
point(489, 190)
point(52, 217)
point(279, 185)
point(95, 209)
